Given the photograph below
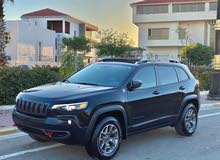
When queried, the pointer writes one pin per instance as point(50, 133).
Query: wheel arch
point(116, 111)
point(194, 99)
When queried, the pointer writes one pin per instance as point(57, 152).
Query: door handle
point(156, 92)
point(182, 88)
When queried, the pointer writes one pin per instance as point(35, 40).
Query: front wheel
point(187, 124)
point(106, 139)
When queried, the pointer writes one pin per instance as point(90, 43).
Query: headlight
point(71, 107)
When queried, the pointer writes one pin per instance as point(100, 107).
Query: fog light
point(69, 122)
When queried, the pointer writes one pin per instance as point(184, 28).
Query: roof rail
point(173, 61)
point(156, 60)
point(126, 60)
point(136, 61)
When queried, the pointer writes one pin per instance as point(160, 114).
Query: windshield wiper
point(66, 80)
point(87, 84)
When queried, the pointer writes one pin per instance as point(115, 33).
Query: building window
point(56, 43)
point(39, 51)
point(55, 26)
point(152, 9)
point(7, 37)
point(56, 58)
point(182, 33)
point(213, 6)
point(189, 7)
point(67, 27)
point(158, 33)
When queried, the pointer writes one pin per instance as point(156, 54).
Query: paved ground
point(161, 144)
point(5, 118)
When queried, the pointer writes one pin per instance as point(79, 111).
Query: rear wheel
point(106, 139)
point(187, 124)
point(39, 138)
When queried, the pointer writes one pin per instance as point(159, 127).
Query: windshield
point(101, 75)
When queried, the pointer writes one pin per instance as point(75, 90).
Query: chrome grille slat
point(31, 108)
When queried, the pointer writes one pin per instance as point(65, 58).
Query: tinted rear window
point(167, 75)
point(182, 75)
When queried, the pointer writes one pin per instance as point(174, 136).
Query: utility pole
point(214, 92)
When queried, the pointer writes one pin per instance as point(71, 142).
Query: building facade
point(166, 26)
point(37, 37)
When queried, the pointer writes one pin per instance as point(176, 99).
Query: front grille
point(31, 108)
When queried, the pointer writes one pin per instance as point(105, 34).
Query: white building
point(166, 26)
point(37, 37)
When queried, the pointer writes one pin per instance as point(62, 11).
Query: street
point(160, 144)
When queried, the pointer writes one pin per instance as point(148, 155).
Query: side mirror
point(134, 84)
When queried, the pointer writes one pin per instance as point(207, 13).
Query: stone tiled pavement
point(5, 118)
point(6, 115)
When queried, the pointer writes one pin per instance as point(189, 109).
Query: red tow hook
point(48, 134)
point(14, 125)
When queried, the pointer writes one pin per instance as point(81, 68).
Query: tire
point(108, 131)
point(187, 123)
point(39, 138)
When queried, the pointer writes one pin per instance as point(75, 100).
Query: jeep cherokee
point(105, 102)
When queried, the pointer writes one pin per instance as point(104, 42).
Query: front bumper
point(53, 128)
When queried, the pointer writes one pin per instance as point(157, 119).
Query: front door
point(143, 103)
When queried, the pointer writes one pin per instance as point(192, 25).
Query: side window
point(167, 75)
point(181, 74)
point(147, 76)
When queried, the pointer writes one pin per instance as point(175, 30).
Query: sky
point(106, 14)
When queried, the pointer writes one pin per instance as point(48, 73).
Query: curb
point(8, 130)
point(8, 107)
point(210, 105)
point(203, 93)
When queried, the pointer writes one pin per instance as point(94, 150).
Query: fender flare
point(185, 101)
point(101, 111)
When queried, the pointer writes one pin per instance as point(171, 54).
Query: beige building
point(166, 26)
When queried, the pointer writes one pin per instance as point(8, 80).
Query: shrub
point(204, 77)
point(183, 53)
point(16, 79)
point(198, 54)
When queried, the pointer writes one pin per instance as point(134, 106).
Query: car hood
point(62, 90)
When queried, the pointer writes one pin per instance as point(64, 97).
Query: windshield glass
point(101, 75)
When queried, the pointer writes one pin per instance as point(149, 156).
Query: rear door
point(170, 95)
point(184, 82)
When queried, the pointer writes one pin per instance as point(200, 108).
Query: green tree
point(77, 44)
point(198, 54)
point(74, 50)
point(3, 57)
point(114, 44)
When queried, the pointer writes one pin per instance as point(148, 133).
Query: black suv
point(105, 102)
